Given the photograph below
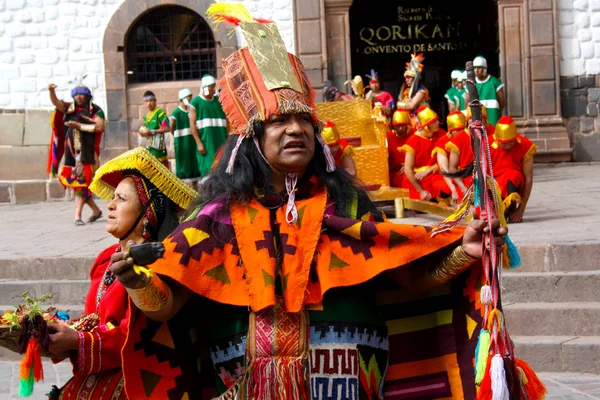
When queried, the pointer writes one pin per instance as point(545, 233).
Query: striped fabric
point(211, 122)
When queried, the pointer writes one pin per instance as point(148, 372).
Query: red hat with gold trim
point(426, 116)
point(506, 130)
point(456, 121)
point(401, 117)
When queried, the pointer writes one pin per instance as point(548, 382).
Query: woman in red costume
point(340, 149)
point(141, 193)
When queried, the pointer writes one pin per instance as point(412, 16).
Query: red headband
point(142, 191)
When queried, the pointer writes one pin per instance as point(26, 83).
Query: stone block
point(312, 61)
point(110, 153)
point(594, 95)
point(542, 68)
point(117, 105)
point(55, 191)
point(11, 130)
point(542, 32)
point(587, 147)
point(573, 106)
point(543, 353)
point(37, 128)
point(573, 124)
point(116, 134)
point(23, 162)
point(582, 317)
point(316, 77)
point(115, 81)
point(592, 110)
point(308, 9)
point(586, 81)
point(26, 192)
point(309, 37)
point(540, 5)
point(578, 92)
point(586, 124)
point(5, 190)
point(133, 112)
point(544, 98)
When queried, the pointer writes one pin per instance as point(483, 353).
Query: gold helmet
point(456, 121)
point(483, 113)
point(401, 117)
point(426, 116)
point(506, 130)
point(330, 133)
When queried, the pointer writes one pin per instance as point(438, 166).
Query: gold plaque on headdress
point(270, 55)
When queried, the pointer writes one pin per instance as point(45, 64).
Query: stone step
point(574, 354)
point(559, 257)
point(553, 319)
point(550, 286)
point(65, 291)
point(41, 268)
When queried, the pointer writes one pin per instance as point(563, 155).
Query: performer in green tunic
point(210, 129)
point(153, 128)
point(491, 90)
point(186, 162)
point(452, 93)
point(462, 92)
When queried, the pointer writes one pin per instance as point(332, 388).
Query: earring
point(145, 232)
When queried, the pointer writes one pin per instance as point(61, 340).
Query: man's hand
point(421, 174)
point(201, 148)
point(401, 170)
point(62, 339)
point(52, 87)
point(516, 216)
point(73, 124)
point(473, 237)
point(425, 195)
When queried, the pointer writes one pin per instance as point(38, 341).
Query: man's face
point(80, 99)
point(150, 103)
point(375, 86)
point(401, 130)
point(506, 145)
point(211, 90)
point(480, 73)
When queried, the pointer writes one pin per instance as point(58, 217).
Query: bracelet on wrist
point(152, 297)
point(452, 265)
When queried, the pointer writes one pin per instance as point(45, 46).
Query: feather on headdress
point(415, 66)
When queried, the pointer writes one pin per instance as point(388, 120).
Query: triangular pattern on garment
point(471, 326)
point(337, 262)
point(301, 215)
point(252, 213)
point(195, 236)
point(185, 396)
point(269, 280)
point(149, 380)
point(219, 273)
point(163, 336)
point(396, 239)
point(354, 230)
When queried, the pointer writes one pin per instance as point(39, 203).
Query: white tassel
point(486, 295)
point(499, 385)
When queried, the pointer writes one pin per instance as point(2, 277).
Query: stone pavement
point(564, 209)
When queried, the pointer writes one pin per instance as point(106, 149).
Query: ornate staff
point(498, 373)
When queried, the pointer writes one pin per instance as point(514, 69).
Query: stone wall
point(580, 99)
point(579, 34)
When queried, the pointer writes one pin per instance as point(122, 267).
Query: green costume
point(185, 145)
point(154, 120)
point(212, 129)
point(488, 95)
point(462, 99)
point(452, 97)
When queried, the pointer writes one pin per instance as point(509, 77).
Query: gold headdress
point(415, 66)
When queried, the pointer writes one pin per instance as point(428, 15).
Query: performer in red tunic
point(456, 123)
point(340, 149)
point(512, 159)
point(396, 138)
point(421, 175)
point(142, 194)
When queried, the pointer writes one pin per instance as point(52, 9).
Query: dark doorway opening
point(384, 33)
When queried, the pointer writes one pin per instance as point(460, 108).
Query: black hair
point(252, 172)
point(149, 93)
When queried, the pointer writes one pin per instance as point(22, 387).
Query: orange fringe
point(31, 358)
point(533, 386)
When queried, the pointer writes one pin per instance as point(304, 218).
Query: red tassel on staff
point(485, 389)
point(533, 386)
